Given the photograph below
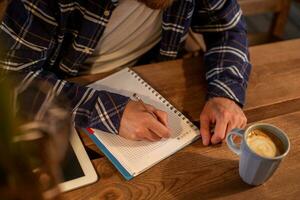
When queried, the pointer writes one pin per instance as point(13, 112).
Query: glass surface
point(71, 168)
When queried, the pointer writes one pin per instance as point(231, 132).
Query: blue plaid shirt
point(49, 40)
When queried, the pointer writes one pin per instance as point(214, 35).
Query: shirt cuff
point(228, 89)
point(105, 114)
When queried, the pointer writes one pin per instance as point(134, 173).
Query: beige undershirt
point(132, 30)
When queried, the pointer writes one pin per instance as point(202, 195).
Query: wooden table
point(198, 172)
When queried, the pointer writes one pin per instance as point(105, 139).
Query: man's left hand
point(225, 114)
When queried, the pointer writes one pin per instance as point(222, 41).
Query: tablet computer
point(77, 168)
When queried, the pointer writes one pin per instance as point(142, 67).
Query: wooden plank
point(279, 9)
point(275, 75)
point(260, 24)
point(280, 19)
point(198, 172)
point(254, 7)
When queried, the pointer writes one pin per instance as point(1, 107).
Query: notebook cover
point(108, 154)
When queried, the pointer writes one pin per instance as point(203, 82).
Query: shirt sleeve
point(227, 57)
point(25, 40)
point(89, 107)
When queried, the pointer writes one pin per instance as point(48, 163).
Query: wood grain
point(280, 18)
point(198, 172)
point(254, 7)
point(273, 89)
point(279, 9)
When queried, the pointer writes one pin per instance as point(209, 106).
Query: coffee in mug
point(262, 149)
point(264, 143)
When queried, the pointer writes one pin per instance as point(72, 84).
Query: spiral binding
point(163, 100)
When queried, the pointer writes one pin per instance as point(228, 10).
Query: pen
point(149, 111)
point(143, 104)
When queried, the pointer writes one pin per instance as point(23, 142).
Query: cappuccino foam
point(263, 143)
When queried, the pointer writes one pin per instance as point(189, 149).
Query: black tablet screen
point(71, 166)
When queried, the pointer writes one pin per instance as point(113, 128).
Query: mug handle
point(229, 140)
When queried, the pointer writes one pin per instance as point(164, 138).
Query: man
point(50, 40)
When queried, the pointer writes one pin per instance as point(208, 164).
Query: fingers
point(152, 131)
point(158, 127)
point(143, 134)
point(150, 108)
point(243, 122)
point(156, 124)
point(225, 124)
point(162, 116)
point(237, 122)
point(159, 124)
point(204, 130)
point(220, 130)
point(230, 126)
point(151, 136)
point(159, 114)
point(138, 123)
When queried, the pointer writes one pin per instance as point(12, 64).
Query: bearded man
point(51, 40)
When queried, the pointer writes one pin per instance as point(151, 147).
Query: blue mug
point(255, 169)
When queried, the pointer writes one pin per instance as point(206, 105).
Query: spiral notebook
point(132, 158)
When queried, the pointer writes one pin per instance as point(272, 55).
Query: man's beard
point(157, 4)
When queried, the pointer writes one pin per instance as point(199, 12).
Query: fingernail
point(205, 142)
point(216, 141)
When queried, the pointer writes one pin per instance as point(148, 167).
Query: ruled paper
point(137, 156)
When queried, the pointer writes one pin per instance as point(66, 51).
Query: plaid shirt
point(49, 40)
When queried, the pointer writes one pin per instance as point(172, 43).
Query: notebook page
point(136, 156)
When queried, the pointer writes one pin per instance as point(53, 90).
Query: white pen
point(147, 110)
point(144, 105)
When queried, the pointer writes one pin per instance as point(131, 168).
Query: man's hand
point(225, 114)
point(138, 124)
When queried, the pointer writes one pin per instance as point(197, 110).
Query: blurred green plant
point(16, 177)
point(30, 150)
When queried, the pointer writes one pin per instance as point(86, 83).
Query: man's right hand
point(138, 124)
